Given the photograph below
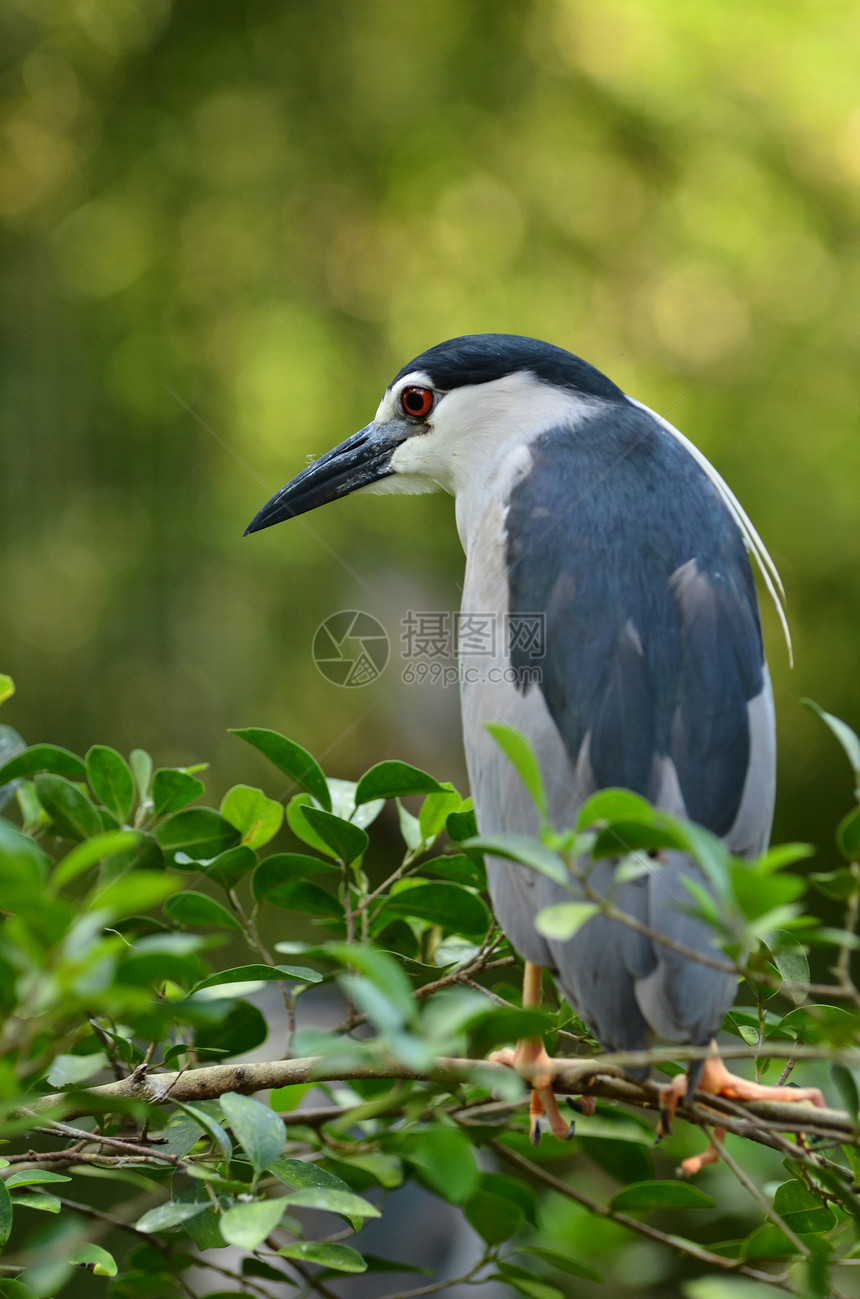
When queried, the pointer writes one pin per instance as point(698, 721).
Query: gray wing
point(653, 679)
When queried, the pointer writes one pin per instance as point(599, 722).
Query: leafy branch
point(125, 1025)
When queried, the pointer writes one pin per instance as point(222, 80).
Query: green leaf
point(299, 895)
point(434, 813)
point(660, 1195)
point(111, 780)
point(513, 1189)
point(446, 1160)
point(23, 871)
point(410, 828)
point(141, 769)
point(563, 1262)
point(342, 793)
point(768, 1241)
point(135, 851)
point(515, 745)
point(33, 1177)
point(342, 1202)
point(525, 851)
point(801, 1209)
point(132, 893)
point(286, 1099)
point(232, 866)
point(839, 885)
point(384, 1170)
point(344, 840)
point(301, 827)
point(290, 758)
point(461, 868)
point(203, 1119)
point(285, 869)
point(790, 959)
point(846, 1085)
point(783, 854)
point(43, 757)
point(7, 687)
point(94, 1257)
point(564, 919)
point(200, 832)
point(248, 1225)
point(627, 1161)
point(68, 1070)
point(624, 837)
point(382, 970)
point(494, 1217)
point(610, 805)
point(92, 851)
point(500, 1024)
point(300, 1173)
point(173, 789)
point(5, 1215)
point(342, 1258)
point(847, 738)
point(456, 909)
point(848, 836)
point(833, 1025)
point(257, 817)
point(757, 895)
point(11, 743)
point(259, 1131)
point(462, 825)
point(38, 1200)
point(166, 1216)
point(395, 780)
point(72, 814)
point(193, 908)
point(525, 1282)
point(259, 973)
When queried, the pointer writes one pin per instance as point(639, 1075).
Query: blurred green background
point(226, 225)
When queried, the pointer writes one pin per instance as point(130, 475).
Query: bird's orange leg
point(530, 1057)
point(716, 1080)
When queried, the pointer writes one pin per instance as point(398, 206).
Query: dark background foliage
point(227, 225)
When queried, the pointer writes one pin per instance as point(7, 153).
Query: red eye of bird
point(417, 402)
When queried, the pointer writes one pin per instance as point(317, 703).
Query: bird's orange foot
point(716, 1080)
point(695, 1163)
point(531, 1060)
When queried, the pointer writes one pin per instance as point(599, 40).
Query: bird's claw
point(583, 1104)
point(531, 1059)
point(670, 1099)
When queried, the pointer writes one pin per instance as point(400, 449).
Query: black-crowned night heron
point(577, 504)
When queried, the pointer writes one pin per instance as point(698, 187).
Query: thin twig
point(678, 1244)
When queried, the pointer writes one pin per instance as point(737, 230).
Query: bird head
point(445, 418)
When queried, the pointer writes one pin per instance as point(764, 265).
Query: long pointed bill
point(358, 462)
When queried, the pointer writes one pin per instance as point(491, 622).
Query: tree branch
point(602, 1077)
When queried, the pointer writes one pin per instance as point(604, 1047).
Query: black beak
point(359, 461)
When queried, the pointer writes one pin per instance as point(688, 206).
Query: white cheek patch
point(473, 428)
point(418, 455)
point(398, 484)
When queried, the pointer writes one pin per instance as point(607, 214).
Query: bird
point(588, 516)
